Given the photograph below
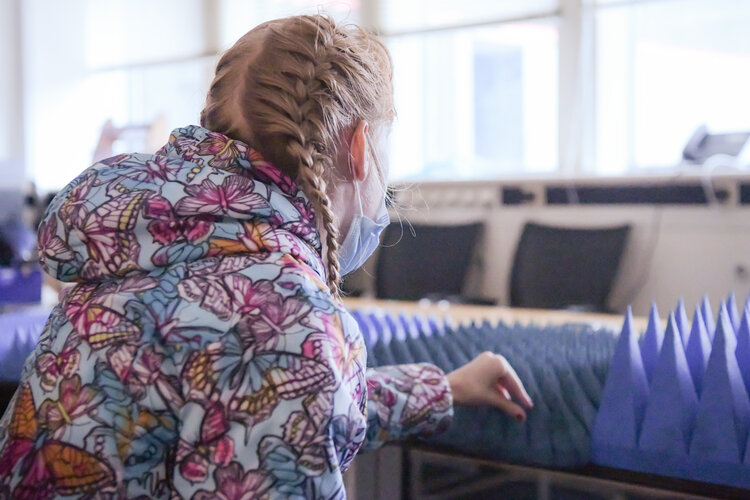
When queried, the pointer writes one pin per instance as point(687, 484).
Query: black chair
point(432, 262)
point(566, 268)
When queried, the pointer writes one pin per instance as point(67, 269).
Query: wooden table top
point(461, 313)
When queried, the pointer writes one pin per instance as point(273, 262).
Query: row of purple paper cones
point(678, 403)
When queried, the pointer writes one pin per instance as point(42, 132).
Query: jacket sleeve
point(403, 401)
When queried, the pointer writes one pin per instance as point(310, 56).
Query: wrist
point(455, 388)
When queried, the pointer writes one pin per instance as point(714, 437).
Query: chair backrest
point(557, 267)
point(433, 261)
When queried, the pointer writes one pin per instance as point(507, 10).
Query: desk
point(462, 313)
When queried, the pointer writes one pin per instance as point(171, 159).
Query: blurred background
point(559, 154)
point(484, 88)
point(508, 111)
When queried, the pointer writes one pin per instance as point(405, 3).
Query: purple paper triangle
point(380, 332)
point(683, 325)
point(729, 330)
point(652, 341)
point(708, 317)
point(734, 315)
point(743, 348)
point(395, 326)
point(364, 326)
point(723, 410)
point(670, 413)
point(625, 393)
point(697, 350)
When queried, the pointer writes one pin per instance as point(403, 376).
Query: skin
point(356, 165)
point(486, 380)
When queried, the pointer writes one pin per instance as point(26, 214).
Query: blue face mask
point(362, 238)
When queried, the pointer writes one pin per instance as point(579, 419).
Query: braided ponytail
point(293, 88)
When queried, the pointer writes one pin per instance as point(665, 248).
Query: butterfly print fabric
point(200, 353)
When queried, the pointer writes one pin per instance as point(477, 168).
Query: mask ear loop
point(356, 186)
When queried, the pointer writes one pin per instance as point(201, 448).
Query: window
point(89, 61)
point(486, 88)
point(662, 69)
point(475, 103)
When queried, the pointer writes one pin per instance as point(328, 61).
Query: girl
point(204, 351)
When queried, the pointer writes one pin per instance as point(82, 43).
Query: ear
point(358, 152)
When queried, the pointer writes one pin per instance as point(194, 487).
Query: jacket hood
point(201, 195)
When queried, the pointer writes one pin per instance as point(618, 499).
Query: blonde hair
point(294, 89)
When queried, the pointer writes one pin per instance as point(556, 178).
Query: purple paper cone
point(624, 396)
point(721, 423)
point(683, 325)
point(670, 413)
point(698, 350)
point(708, 317)
point(652, 341)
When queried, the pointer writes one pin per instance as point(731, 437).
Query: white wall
point(11, 102)
point(673, 251)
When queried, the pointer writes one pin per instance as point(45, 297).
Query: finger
point(508, 407)
point(514, 385)
point(509, 379)
point(499, 386)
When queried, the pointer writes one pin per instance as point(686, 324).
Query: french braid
point(293, 89)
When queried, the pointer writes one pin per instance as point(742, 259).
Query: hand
point(489, 379)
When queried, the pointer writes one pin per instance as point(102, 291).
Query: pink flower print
point(155, 171)
point(305, 209)
point(120, 358)
point(74, 401)
point(214, 446)
point(193, 466)
point(331, 342)
point(46, 464)
point(157, 207)
point(427, 392)
point(184, 145)
point(225, 152)
point(97, 324)
point(160, 169)
point(250, 296)
point(167, 229)
point(265, 314)
point(50, 245)
point(235, 197)
point(299, 429)
point(205, 283)
point(51, 367)
point(199, 373)
point(110, 241)
point(384, 397)
point(234, 263)
point(267, 172)
point(233, 483)
point(147, 368)
point(304, 230)
point(210, 292)
point(259, 237)
point(74, 209)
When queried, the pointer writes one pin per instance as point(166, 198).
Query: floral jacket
point(200, 354)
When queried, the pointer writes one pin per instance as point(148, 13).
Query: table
point(463, 313)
